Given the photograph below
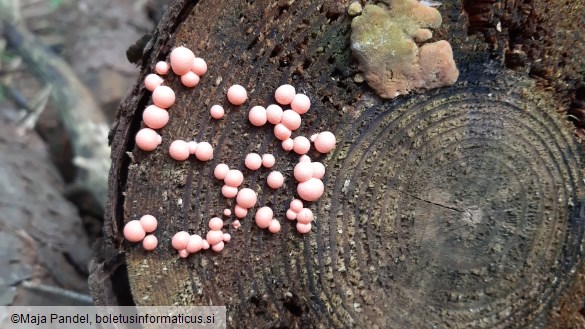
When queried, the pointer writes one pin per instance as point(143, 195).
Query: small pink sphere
point(182, 60)
point(268, 160)
point(163, 97)
point(161, 68)
point(303, 228)
point(296, 205)
point(195, 244)
point(205, 245)
point(183, 253)
point(240, 212)
point(227, 237)
point(192, 147)
point(305, 216)
point(204, 151)
point(313, 137)
point(152, 81)
point(215, 224)
point(199, 66)
point(237, 95)
point(190, 79)
point(303, 171)
point(291, 214)
point(133, 231)
point(155, 117)
point(214, 237)
point(236, 224)
point(281, 132)
point(318, 170)
point(220, 171)
point(180, 240)
point(275, 179)
point(325, 142)
point(218, 246)
point(229, 191)
point(246, 198)
point(304, 158)
point(257, 116)
point(311, 190)
point(285, 94)
point(150, 242)
point(301, 145)
point(149, 223)
point(274, 114)
point(288, 144)
point(147, 139)
point(253, 161)
point(179, 150)
point(227, 212)
point(264, 217)
point(300, 104)
point(291, 119)
point(234, 178)
point(217, 112)
point(274, 226)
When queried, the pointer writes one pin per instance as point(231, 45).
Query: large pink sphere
point(303, 228)
point(133, 231)
point(257, 116)
point(163, 97)
point(281, 132)
point(274, 113)
point(152, 81)
point(291, 119)
point(147, 139)
point(300, 104)
point(214, 237)
point(303, 171)
point(155, 117)
point(275, 179)
point(246, 198)
point(234, 178)
point(199, 66)
point(305, 216)
point(148, 223)
point(285, 94)
point(237, 95)
point(182, 60)
point(150, 242)
point(204, 151)
point(311, 190)
point(190, 79)
point(180, 240)
point(301, 145)
point(253, 161)
point(325, 142)
point(221, 171)
point(195, 244)
point(179, 150)
point(264, 217)
point(215, 224)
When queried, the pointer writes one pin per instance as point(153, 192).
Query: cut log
point(456, 207)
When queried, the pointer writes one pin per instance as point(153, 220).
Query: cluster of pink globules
point(307, 173)
point(135, 231)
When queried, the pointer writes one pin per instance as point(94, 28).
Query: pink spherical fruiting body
point(305, 216)
point(290, 214)
point(148, 223)
point(218, 246)
point(215, 224)
point(281, 132)
point(161, 68)
point(268, 160)
point(192, 147)
point(253, 161)
point(246, 198)
point(217, 111)
point(274, 114)
point(288, 144)
point(318, 170)
point(205, 245)
point(180, 240)
point(152, 81)
point(163, 97)
point(195, 244)
point(214, 237)
point(190, 79)
point(147, 139)
point(263, 217)
point(183, 253)
point(303, 171)
point(227, 237)
point(236, 224)
point(325, 142)
point(234, 178)
point(155, 117)
point(179, 150)
point(300, 104)
point(204, 151)
point(296, 205)
point(227, 212)
point(150, 242)
point(284, 94)
point(133, 231)
point(274, 226)
point(220, 171)
point(229, 191)
point(304, 158)
point(303, 228)
point(257, 116)
point(182, 60)
point(237, 95)
point(240, 212)
point(275, 179)
point(311, 190)
point(199, 66)
point(291, 119)
point(301, 145)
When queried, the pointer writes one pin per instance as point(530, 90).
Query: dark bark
point(458, 207)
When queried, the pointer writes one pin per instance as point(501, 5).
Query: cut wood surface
point(459, 207)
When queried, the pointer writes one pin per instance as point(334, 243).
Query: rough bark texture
point(457, 207)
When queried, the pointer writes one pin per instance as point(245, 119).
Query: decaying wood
point(459, 207)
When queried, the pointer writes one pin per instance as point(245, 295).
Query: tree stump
point(456, 207)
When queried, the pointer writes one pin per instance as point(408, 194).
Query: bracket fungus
point(384, 41)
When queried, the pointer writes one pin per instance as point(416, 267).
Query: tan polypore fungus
point(383, 39)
